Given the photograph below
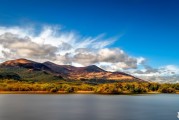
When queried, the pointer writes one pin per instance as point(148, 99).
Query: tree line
point(72, 87)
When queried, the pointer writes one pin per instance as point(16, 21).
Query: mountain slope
point(24, 63)
point(68, 72)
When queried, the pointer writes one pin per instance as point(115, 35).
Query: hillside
point(47, 71)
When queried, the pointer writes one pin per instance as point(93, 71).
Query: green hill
point(27, 74)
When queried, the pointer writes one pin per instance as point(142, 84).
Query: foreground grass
point(62, 87)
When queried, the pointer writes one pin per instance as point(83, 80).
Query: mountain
point(49, 70)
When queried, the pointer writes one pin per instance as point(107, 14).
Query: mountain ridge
point(91, 72)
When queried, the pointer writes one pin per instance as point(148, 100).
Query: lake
point(89, 107)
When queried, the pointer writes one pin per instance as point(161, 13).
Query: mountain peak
point(93, 68)
point(17, 61)
point(49, 63)
point(23, 60)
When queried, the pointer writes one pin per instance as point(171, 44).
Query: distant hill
point(47, 71)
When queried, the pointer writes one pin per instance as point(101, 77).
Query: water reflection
point(88, 107)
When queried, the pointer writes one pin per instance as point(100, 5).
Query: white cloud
point(168, 73)
point(141, 60)
point(24, 47)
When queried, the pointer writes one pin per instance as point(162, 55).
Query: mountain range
point(31, 70)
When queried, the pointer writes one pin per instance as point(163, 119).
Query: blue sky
point(147, 28)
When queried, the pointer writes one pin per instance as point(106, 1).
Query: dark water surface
point(89, 107)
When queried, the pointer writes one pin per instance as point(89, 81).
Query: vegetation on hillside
point(27, 75)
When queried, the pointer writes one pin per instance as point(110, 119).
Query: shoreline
point(45, 92)
point(77, 92)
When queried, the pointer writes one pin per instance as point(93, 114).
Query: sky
point(139, 37)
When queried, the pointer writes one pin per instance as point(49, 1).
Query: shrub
point(167, 90)
point(53, 90)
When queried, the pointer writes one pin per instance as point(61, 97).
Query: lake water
point(89, 107)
